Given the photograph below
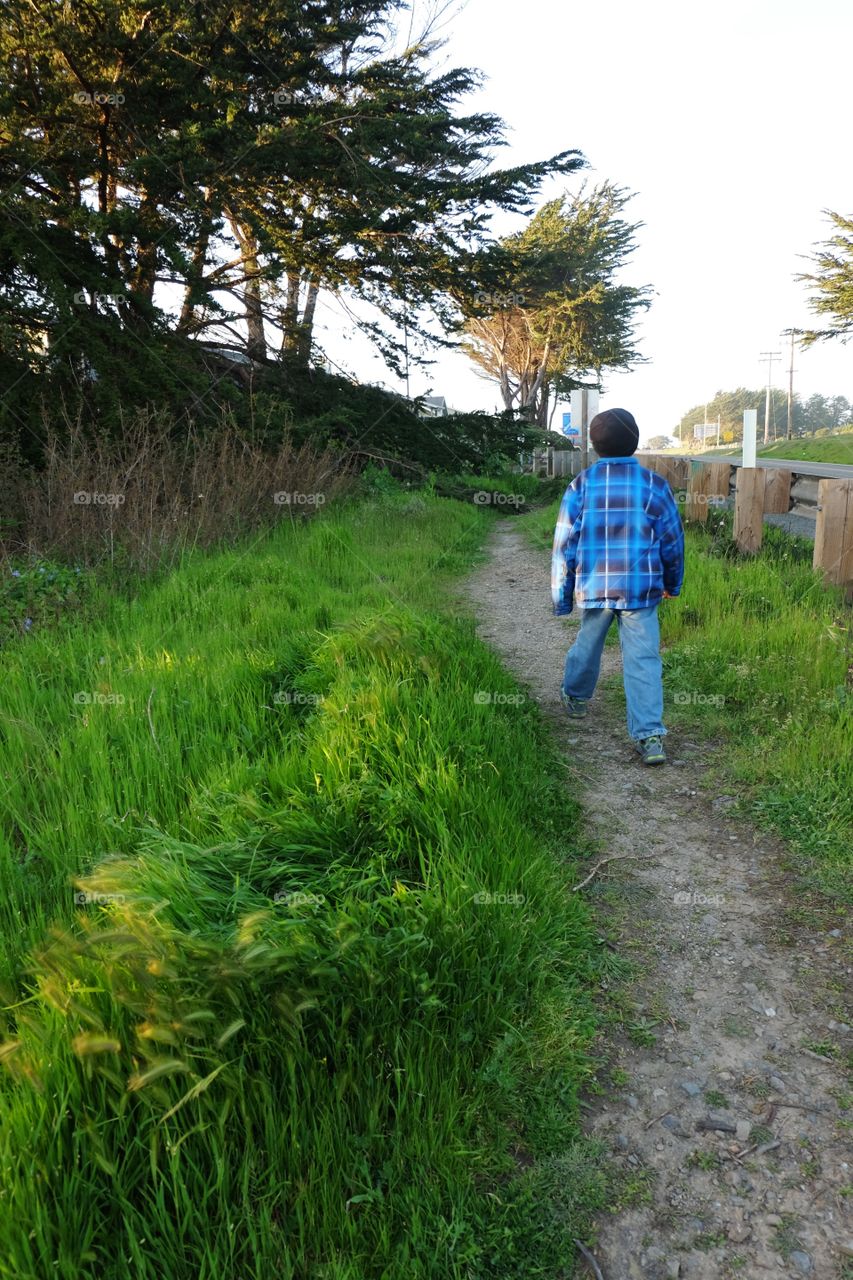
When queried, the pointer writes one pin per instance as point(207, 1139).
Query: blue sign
point(568, 429)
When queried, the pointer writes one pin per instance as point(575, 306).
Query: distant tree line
point(814, 413)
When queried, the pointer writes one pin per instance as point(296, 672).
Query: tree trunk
point(144, 274)
point(306, 324)
point(256, 343)
point(196, 271)
point(290, 316)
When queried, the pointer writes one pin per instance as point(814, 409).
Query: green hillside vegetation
point(832, 448)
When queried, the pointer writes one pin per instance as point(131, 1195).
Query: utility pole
point(769, 356)
point(790, 333)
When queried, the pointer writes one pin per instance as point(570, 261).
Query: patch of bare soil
point(728, 1116)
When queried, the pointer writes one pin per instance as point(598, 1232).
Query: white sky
point(729, 121)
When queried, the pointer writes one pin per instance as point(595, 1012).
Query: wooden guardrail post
point(679, 474)
point(709, 484)
point(777, 491)
point(749, 508)
point(833, 544)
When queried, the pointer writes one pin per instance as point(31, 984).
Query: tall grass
point(760, 652)
point(324, 995)
point(138, 500)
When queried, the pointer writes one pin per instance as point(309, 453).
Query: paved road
point(832, 470)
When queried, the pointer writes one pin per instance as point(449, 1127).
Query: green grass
point(325, 1010)
point(835, 448)
point(758, 654)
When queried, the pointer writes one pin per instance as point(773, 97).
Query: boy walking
point(618, 550)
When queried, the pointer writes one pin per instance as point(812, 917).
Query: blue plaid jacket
point(619, 543)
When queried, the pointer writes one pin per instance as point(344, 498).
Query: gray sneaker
point(575, 707)
point(651, 750)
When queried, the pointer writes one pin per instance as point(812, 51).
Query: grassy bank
point(320, 1006)
point(758, 653)
point(834, 448)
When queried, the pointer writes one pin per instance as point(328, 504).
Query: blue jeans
point(639, 636)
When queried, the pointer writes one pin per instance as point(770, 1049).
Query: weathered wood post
point(833, 544)
point(777, 491)
point(709, 481)
point(749, 508)
point(679, 475)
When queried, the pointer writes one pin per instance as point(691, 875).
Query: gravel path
point(734, 1000)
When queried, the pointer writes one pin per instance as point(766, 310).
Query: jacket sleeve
point(564, 554)
point(671, 539)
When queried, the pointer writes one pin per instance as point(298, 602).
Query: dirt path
point(734, 1004)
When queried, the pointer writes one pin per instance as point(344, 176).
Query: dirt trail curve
point(736, 1004)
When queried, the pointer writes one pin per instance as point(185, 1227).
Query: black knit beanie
point(614, 433)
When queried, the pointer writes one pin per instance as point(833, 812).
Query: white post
point(578, 402)
point(750, 426)
point(584, 409)
point(591, 411)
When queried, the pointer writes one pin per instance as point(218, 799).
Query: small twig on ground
point(768, 1146)
point(614, 857)
point(660, 1117)
point(798, 1106)
point(819, 1057)
point(595, 1268)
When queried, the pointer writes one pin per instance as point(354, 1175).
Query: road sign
point(568, 429)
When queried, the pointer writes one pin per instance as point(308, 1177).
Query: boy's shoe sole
point(651, 750)
point(575, 707)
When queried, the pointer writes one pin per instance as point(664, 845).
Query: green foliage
point(832, 281)
point(325, 986)
point(229, 156)
point(38, 592)
point(837, 447)
point(808, 416)
point(325, 408)
point(559, 316)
